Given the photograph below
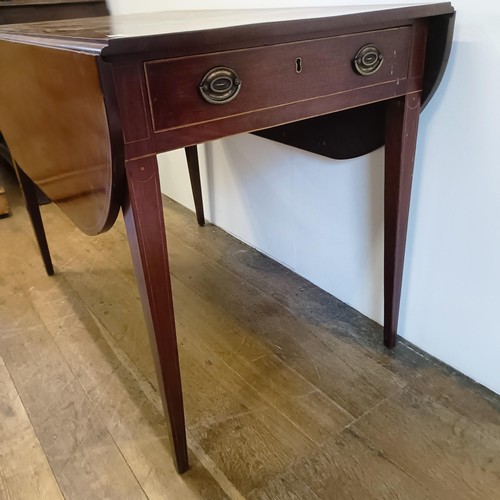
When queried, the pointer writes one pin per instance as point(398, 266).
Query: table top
point(141, 32)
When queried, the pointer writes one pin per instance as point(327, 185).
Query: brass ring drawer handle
point(220, 85)
point(368, 60)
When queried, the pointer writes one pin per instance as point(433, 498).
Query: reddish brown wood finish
point(269, 76)
point(31, 199)
point(263, 118)
point(69, 156)
point(143, 214)
point(400, 141)
point(132, 102)
point(359, 131)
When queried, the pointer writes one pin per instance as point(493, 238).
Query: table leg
point(143, 214)
point(194, 177)
point(4, 204)
point(400, 140)
point(30, 197)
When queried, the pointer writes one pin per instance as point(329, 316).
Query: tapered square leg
point(194, 177)
point(31, 199)
point(4, 204)
point(402, 116)
point(143, 214)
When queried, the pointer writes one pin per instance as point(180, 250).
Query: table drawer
point(271, 76)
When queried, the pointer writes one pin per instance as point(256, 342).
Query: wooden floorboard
point(439, 446)
point(349, 467)
point(289, 393)
point(79, 448)
point(24, 469)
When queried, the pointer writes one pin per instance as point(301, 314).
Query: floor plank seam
point(222, 480)
point(270, 402)
point(367, 412)
point(49, 464)
point(367, 380)
point(91, 403)
point(153, 397)
point(370, 444)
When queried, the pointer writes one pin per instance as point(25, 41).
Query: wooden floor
point(288, 392)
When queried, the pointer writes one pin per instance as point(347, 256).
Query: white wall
point(324, 218)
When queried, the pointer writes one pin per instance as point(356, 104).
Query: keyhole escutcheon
point(298, 65)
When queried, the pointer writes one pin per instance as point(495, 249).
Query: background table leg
point(402, 116)
point(30, 197)
point(194, 177)
point(143, 214)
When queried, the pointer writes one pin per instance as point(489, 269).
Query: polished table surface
point(86, 105)
point(27, 11)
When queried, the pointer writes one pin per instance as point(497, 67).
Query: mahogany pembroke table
point(86, 105)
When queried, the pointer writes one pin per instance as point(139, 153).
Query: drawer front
point(272, 76)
